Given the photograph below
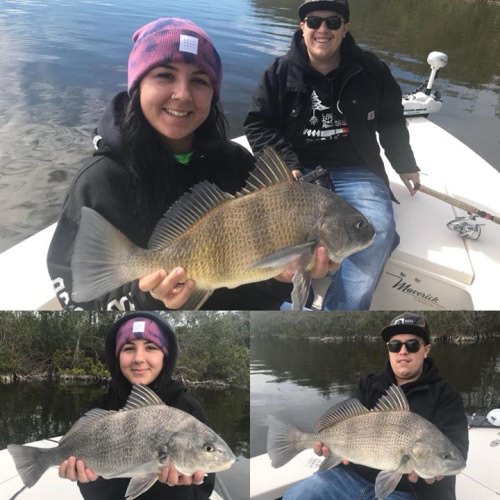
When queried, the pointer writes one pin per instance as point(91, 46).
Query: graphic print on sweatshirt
point(325, 123)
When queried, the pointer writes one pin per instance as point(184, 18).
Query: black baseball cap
point(407, 323)
point(339, 6)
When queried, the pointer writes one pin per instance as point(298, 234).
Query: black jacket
point(104, 184)
point(369, 98)
point(434, 399)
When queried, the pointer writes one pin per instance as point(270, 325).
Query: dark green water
point(33, 411)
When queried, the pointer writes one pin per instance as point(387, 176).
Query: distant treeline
point(445, 326)
point(214, 346)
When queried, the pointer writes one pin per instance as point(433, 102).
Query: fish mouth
point(340, 256)
point(223, 466)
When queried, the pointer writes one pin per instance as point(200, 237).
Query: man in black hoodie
point(323, 104)
point(408, 343)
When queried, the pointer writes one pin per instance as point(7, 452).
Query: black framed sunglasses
point(332, 22)
point(412, 345)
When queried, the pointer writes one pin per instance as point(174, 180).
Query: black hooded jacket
point(105, 184)
point(368, 97)
point(434, 399)
point(173, 393)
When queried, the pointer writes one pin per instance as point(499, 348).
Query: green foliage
point(213, 345)
point(470, 325)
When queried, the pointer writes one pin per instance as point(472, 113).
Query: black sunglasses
point(412, 345)
point(332, 22)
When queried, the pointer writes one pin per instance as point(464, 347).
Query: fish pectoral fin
point(329, 462)
point(139, 484)
point(301, 284)
point(285, 255)
point(301, 281)
point(386, 483)
point(197, 299)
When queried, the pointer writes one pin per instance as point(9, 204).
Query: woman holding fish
point(141, 348)
point(153, 143)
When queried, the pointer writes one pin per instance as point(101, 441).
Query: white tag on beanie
point(188, 43)
point(139, 327)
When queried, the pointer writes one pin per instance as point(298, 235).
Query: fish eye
point(446, 456)
point(209, 448)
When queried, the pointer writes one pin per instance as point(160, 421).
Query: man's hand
point(411, 180)
point(323, 451)
point(322, 265)
point(413, 477)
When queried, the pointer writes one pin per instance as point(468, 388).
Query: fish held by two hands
point(273, 224)
point(389, 437)
point(138, 442)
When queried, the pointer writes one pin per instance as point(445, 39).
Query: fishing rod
point(464, 226)
point(18, 493)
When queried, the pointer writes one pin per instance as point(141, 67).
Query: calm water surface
point(33, 411)
point(299, 380)
point(63, 60)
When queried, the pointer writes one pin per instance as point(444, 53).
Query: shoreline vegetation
point(453, 327)
point(14, 378)
point(68, 347)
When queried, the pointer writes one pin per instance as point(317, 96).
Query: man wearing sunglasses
point(407, 340)
point(323, 104)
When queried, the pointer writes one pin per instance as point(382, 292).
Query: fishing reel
point(466, 227)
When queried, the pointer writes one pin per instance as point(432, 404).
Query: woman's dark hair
point(147, 156)
point(119, 388)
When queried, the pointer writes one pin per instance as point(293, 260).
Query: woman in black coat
point(141, 348)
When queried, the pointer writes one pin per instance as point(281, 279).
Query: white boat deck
point(432, 268)
point(443, 270)
point(10, 481)
point(50, 486)
point(479, 481)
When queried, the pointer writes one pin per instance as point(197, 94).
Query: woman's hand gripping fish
point(273, 224)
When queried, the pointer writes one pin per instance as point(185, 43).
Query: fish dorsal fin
point(186, 212)
point(270, 169)
point(87, 419)
point(393, 400)
point(141, 396)
point(340, 412)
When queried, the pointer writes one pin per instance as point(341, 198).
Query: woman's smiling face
point(141, 361)
point(176, 99)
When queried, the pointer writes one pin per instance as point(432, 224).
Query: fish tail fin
point(30, 462)
point(284, 441)
point(100, 261)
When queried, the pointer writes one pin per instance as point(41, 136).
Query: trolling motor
point(423, 101)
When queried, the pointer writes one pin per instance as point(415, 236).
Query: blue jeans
point(354, 283)
point(339, 483)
